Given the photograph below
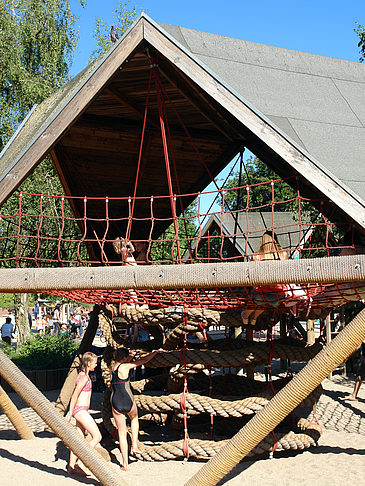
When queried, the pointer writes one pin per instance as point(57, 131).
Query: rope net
point(43, 231)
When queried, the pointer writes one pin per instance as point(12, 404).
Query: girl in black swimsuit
point(123, 402)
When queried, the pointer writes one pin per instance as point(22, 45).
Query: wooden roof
point(92, 129)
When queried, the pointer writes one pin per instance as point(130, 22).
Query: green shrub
point(43, 352)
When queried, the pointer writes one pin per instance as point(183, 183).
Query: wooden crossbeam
point(198, 275)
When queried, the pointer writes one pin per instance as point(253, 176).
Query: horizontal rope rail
point(200, 275)
point(223, 406)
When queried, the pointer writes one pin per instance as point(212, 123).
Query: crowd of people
point(48, 319)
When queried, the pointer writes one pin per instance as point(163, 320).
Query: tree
point(124, 16)
point(37, 40)
point(360, 31)
point(260, 195)
point(169, 245)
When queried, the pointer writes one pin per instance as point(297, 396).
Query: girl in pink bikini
point(79, 408)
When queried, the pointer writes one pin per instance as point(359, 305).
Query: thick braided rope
point(223, 407)
point(241, 385)
point(249, 353)
point(200, 449)
point(175, 382)
point(176, 336)
point(170, 316)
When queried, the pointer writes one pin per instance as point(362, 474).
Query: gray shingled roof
point(319, 102)
point(246, 231)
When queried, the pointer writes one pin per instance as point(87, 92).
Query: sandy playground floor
point(337, 460)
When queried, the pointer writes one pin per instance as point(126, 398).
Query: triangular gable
point(245, 230)
point(261, 135)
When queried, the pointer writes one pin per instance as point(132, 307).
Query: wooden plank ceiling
point(98, 155)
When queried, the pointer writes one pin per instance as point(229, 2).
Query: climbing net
point(43, 231)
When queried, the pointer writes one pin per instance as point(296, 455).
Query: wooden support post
point(250, 368)
point(238, 335)
point(14, 416)
point(66, 392)
point(310, 332)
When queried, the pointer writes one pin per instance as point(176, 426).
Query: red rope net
point(44, 232)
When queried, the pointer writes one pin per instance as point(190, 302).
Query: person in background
point(360, 375)
point(76, 323)
point(7, 330)
point(36, 311)
point(30, 320)
point(63, 329)
point(49, 327)
point(56, 317)
point(40, 325)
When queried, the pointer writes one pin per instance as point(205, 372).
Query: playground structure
point(176, 131)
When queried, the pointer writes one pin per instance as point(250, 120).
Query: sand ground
point(337, 460)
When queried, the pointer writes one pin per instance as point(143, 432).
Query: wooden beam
point(112, 126)
point(117, 96)
point(203, 109)
point(199, 275)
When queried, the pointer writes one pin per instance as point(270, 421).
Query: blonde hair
point(270, 248)
point(86, 359)
point(122, 246)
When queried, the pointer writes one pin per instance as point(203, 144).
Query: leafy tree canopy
point(37, 39)
point(123, 18)
point(261, 195)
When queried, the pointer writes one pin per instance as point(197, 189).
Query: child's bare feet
point(349, 397)
point(125, 468)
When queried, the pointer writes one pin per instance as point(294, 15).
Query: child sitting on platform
point(125, 248)
point(264, 295)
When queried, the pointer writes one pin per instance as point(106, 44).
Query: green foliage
point(6, 301)
point(262, 195)
point(123, 18)
point(47, 216)
point(44, 352)
point(37, 39)
point(360, 31)
point(165, 249)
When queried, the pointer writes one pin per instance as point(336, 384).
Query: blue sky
point(324, 27)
